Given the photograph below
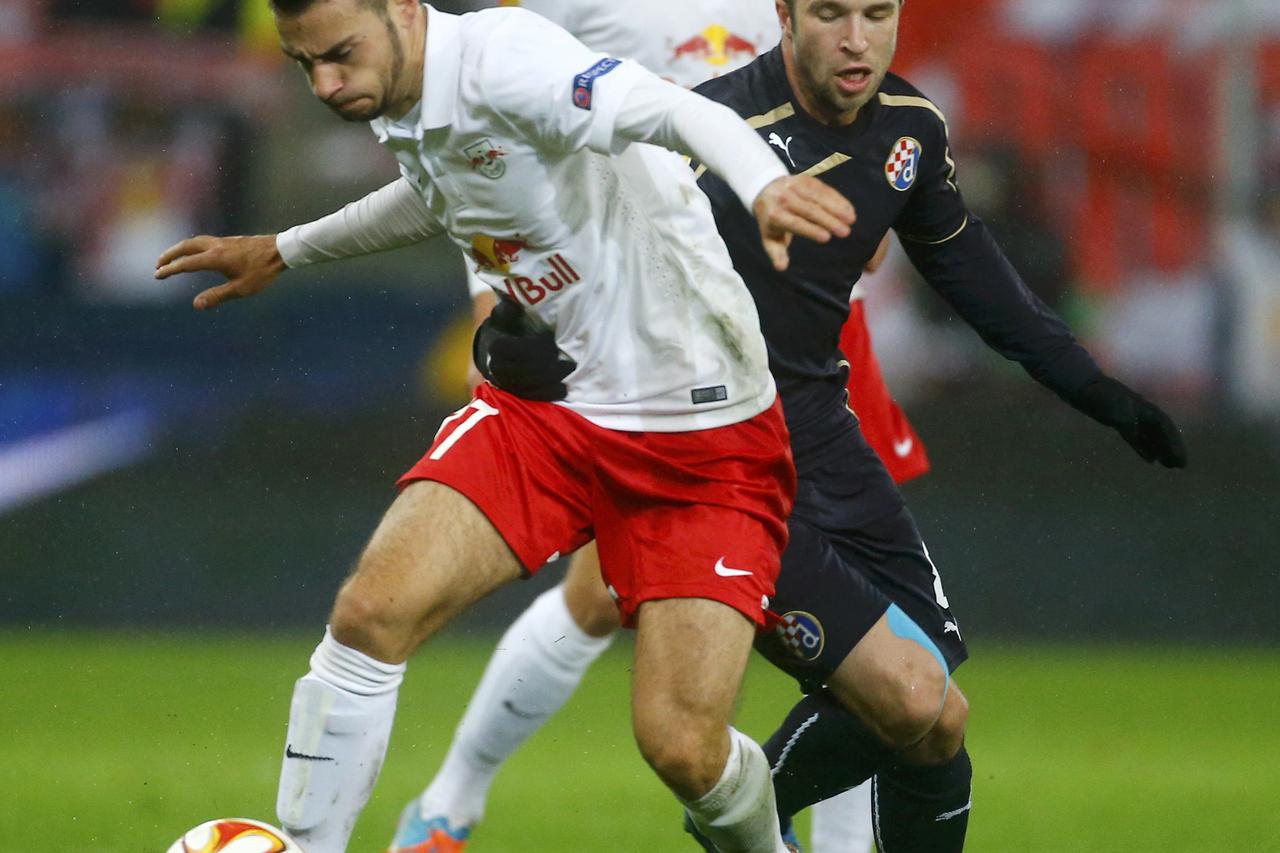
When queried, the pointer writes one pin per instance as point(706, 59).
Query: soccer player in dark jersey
point(863, 621)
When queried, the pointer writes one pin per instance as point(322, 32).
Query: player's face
point(838, 52)
point(353, 56)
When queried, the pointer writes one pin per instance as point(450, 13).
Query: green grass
point(115, 743)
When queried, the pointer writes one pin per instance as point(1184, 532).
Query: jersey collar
point(441, 69)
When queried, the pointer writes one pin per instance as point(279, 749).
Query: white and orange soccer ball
point(235, 835)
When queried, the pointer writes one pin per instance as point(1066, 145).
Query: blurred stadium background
point(166, 477)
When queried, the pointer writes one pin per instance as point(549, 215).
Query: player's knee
point(915, 705)
point(918, 689)
point(368, 622)
point(946, 737)
point(682, 753)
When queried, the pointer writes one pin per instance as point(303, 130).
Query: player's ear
point(783, 8)
point(403, 11)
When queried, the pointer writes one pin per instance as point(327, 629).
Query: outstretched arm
point(251, 265)
point(388, 218)
point(972, 274)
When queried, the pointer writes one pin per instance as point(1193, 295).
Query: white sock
point(536, 667)
point(339, 724)
point(739, 815)
point(842, 824)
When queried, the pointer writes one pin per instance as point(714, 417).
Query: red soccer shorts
point(675, 515)
point(884, 424)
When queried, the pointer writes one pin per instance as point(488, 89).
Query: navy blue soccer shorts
point(854, 551)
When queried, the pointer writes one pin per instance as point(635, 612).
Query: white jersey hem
point(620, 419)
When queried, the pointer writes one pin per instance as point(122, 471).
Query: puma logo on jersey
point(530, 291)
point(775, 139)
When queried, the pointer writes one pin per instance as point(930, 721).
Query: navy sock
point(922, 809)
point(819, 751)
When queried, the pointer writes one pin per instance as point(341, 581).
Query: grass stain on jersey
point(727, 332)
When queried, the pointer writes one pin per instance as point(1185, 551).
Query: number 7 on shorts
point(479, 410)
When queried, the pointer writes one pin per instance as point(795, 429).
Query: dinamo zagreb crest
point(903, 164)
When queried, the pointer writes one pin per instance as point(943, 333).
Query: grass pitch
point(116, 743)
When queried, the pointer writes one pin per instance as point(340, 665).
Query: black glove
point(519, 356)
point(1143, 424)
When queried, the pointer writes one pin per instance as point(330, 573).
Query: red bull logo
point(495, 254)
point(559, 274)
point(486, 158)
point(716, 46)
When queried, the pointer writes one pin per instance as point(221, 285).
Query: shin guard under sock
point(820, 750)
point(738, 814)
point(339, 723)
point(922, 809)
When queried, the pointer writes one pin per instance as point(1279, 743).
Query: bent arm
point(388, 218)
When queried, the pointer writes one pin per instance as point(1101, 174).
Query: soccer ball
point(235, 835)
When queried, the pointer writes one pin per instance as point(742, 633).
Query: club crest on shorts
point(903, 164)
point(802, 634)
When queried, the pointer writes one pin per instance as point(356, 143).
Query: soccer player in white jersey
point(516, 140)
point(548, 649)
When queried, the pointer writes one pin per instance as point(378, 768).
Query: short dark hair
point(289, 8)
point(791, 4)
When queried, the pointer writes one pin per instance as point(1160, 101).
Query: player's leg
point(842, 824)
point(863, 614)
point(921, 800)
point(433, 554)
point(691, 527)
point(891, 710)
point(884, 698)
point(445, 542)
point(536, 667)
point(586, 599)
point(690, 657)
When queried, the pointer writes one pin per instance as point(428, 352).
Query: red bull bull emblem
point(486, 158)
point(495, 254)
point(716, 46)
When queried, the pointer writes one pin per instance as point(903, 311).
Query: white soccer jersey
point(513, 151)
point(686, 41)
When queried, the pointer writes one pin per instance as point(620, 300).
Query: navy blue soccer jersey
point(894, 163)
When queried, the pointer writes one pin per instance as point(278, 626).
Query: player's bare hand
point(800, 205)
point(250, 264)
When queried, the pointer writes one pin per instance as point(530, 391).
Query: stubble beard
point(829, 99)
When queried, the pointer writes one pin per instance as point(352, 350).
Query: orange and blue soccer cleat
point(417, 834)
